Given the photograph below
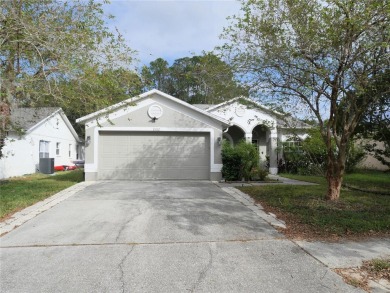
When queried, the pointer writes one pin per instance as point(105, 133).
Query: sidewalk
point(349, 255)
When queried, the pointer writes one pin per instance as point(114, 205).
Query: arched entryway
point(260, 138)
point(263, 137)
point(234, 134)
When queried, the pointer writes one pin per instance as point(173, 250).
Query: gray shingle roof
point(25, 118)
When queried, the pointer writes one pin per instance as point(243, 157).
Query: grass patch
point(21, 192)
point(307, 213)
point(375, 181)
point(380, 266)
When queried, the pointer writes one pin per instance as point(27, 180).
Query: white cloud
point(171, 29)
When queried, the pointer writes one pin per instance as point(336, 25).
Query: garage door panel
point(150, 155)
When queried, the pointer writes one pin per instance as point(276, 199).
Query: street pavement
point(157, 236)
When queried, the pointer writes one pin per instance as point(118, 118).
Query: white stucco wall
point(244, 117)
point(369, 161)
point(21, 153)
point(247, 118)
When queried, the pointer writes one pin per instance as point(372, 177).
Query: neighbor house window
point(58, 149)
point(70, 150)
point(43, 149)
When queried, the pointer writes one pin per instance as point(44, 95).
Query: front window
point(292, 146)
point(43, 149)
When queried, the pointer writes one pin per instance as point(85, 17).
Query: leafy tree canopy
point(204, 79)
point(374, 127)
point(323, 54)
point(93, 90)
point(45, 44)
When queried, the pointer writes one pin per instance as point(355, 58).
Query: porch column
point(248, 137)
point(273, 158)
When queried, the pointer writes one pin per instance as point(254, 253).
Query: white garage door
point(153, 155)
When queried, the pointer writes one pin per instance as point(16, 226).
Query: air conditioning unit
point(46, 165)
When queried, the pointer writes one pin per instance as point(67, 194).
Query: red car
point(65, 167)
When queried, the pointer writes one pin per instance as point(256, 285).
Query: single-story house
point(38, 133)
point(153, 136)
point(156, 136)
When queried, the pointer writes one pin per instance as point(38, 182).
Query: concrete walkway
point(289, 181)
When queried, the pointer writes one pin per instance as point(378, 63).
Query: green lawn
point(369, 180)
point(20, 192)
point(356, 212)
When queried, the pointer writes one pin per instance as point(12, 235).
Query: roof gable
point(250, 104)
point(132, 101)
point(283, 120)
point(28, 119)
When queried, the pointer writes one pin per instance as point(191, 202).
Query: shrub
point(311, 157)
point(231, 160)
point(249, 158)
point(258, 173)
point(239, 161)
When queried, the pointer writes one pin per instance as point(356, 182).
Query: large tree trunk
point(334, 176)
point(5, 115)
point(335, 170)
point(334, 187)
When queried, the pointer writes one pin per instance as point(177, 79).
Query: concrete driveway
point(171, 236)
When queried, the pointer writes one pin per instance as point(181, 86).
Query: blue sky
point(171, 29)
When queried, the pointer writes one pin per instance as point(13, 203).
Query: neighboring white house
point(38, 133)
